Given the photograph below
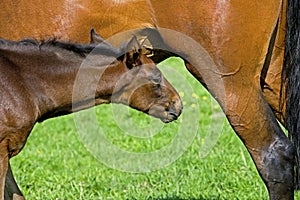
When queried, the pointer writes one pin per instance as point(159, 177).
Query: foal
point(37, 82)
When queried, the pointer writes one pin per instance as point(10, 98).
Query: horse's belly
point(71, 20)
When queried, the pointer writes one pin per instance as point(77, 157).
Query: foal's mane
point(54, 44)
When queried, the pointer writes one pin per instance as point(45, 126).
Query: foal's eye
point(156, 78)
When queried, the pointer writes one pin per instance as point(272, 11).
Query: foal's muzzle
point(173, 112)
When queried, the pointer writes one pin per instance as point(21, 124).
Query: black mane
point(80, 49)
point(83, 49)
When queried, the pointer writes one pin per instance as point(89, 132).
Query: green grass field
point(55, 164)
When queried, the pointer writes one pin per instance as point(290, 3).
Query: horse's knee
point(279, 154)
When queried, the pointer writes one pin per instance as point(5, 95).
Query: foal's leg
point(10, 146)
point(4, 158)
point(12, 191)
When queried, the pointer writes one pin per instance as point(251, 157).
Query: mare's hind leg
point(272, 152)
point(12, 191)
point(256, 125)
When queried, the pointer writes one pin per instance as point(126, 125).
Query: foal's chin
point(164, 117)
point(168, 119)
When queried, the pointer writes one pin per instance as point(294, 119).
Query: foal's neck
point(50, 73)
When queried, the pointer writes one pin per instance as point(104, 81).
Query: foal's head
point(143, 86)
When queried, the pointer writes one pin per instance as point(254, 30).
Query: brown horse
point(37, 82)
point(245, 40)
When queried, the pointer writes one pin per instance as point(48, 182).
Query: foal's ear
point(95, 38)
point(132, 53)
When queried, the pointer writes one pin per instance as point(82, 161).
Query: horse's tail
point(291, 77)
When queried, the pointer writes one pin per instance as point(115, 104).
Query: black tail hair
point(291, 78)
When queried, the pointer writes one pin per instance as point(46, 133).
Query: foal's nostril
point(174, 111)
point(173, 115)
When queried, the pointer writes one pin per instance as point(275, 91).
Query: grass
point(56, 165)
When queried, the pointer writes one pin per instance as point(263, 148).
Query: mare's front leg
point(12, 191)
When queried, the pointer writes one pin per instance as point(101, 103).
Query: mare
point(253, 47)
point(37, 82)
